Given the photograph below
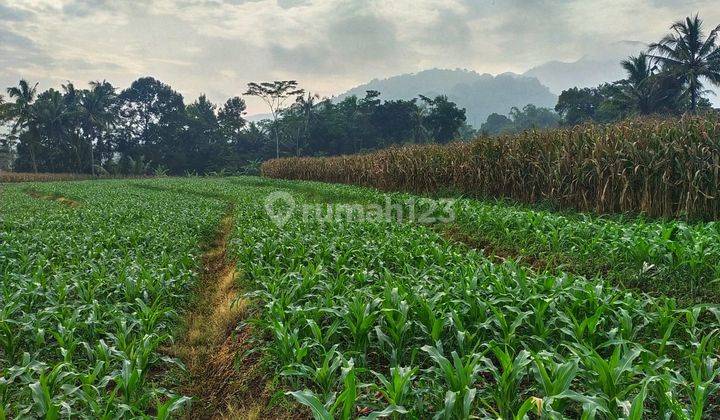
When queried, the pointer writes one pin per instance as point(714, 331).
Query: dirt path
point(52, 197)
point(225, 378)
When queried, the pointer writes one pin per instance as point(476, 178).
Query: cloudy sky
point(217, 46)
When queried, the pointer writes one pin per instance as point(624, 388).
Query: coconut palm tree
point(305, 107)
point(97, 109)
point(645, 90)
point(688, 55)
point(21, 112)
point(3, 109)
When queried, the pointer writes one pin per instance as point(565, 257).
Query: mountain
point(479, 94)
point(602, 66)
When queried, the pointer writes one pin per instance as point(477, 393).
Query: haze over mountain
point(479, 94)
point(601, 66)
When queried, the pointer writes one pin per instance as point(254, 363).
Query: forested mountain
point(480, 94)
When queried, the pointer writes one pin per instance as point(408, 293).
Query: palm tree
point(51, 119)
point(646, 91)
point(97, 111)
point(21, 111)
point(305, 106)
point(71, 132)
point(3, 109)
point(686, 55)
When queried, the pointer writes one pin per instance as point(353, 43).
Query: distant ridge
point(602, 66)
point(479, 94)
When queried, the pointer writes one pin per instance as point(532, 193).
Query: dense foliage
point(665, 168)
point(147, 128)
point(370, 318)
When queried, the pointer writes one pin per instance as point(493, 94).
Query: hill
point(479, 94)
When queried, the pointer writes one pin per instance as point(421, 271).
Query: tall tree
point(231, 117)
point(4, 110)
point(395, 121)
point(275, 94)
point(577, 105)
point(6, 140)
point(533, 117)
point(51, 117)
point(497, 124)
point(688, 55)
point(205, 147)
point(98, 116)
point(152, 124)
point(305, 107)
point(73, 131)
point(21, 110)
point(645, 91)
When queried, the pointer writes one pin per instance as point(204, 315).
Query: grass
point(368, 318)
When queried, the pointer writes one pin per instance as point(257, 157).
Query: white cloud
point(217, 46)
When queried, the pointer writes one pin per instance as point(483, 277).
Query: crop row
point(662, 257)
point(667, 168)
point(90, 293)
point(360, 317)
point(376, 318)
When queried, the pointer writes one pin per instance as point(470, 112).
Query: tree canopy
point(148, 127)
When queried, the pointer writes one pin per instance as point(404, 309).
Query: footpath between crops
point(52, 197)
point(226, 374)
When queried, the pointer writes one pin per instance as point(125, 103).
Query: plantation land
point(504, 312)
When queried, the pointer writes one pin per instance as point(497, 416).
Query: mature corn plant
point(660, 168)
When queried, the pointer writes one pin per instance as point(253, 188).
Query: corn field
point(659, 168)
point(350, 318)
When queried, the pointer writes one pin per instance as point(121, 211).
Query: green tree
point(577, 105)
point(98, 115)
point(151, 125)
point(533, 117)
point(645, 91)
point(205, 147)
point(395, 121)
point(497, 124)
point(20, 111)
point(305, 108)
point(275, 95)
point(231, 117)
point(687, 54)
point(51, 119)
point(444, 119)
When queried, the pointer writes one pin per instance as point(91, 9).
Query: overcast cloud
point(217, 46)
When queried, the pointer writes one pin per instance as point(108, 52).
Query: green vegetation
point(663, 257)
point(90, 293)
point(356, 317)
point(148, 129)
point(378, 318)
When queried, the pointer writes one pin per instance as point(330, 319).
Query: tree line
point(147, 127)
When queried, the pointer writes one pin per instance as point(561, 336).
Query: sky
point(217, 46)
